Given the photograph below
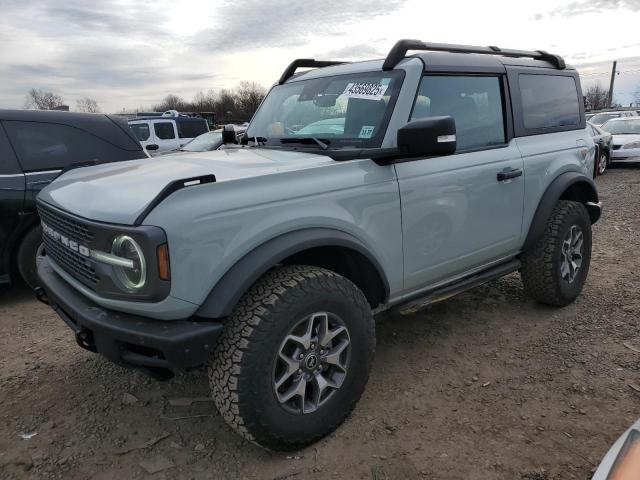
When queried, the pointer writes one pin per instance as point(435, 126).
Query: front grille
point(75, 264)
point(65, 225)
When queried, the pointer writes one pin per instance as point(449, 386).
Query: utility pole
point(613, 78)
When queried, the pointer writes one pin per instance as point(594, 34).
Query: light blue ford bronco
point(358, 187)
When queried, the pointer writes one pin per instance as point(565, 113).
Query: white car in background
point(601, 118)
point(626, 139)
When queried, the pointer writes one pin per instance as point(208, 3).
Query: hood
point(626, 138)
point(118, 192)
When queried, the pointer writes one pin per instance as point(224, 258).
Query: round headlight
point(131, 278)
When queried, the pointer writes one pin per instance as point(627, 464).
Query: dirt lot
point(488, 385)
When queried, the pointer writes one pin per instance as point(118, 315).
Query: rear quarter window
point(549, 101)
point(192, 129)
point(51, 146)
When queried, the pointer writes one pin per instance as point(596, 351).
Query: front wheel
point(294, 357)
point(555, 269)
point(603, 161)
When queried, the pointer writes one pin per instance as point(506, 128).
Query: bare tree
point(249, 95)
point(229, 105)
point(204, 102)
point(88, 105)
point(171, 102)
point(41, 100)
point(596, 97)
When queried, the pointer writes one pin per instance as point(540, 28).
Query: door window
point(51, 146)
point(164, 130)
point(141, 131)
point(475, 103)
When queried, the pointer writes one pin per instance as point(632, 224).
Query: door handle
point(509, 174)
point(152, 146)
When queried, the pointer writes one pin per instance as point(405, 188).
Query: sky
point(130, 54)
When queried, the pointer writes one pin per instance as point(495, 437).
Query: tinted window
point(164, 130)
point(140, 130)
point(48, 146)
point(474, 102)
point(192, 129)
point(549, 101)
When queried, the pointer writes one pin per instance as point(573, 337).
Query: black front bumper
point(126, 339)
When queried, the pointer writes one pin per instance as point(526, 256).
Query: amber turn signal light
point(164, 271)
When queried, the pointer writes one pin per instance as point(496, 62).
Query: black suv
point(35, 147)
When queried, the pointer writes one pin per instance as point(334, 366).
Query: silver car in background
point(626, 139)
point(601, 118)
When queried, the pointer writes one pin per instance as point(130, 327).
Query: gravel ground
point(487, 385)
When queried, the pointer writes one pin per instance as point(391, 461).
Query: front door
point(461, 211)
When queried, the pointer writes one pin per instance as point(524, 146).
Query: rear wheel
point(294, 357)
point(554, 271)
point(30, 249)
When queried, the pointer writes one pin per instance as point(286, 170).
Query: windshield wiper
point(323, 143)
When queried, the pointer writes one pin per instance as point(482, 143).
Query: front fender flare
point(553, 194)
point(238, 279)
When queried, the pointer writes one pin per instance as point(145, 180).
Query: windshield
point(346, 110)
point(205, 142)
point(600, 118)
point(622, 127)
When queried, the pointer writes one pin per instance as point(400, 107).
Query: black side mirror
point(152, 146)
point(428, 136)
point(228, 134)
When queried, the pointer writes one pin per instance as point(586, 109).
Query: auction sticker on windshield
point(366, 91)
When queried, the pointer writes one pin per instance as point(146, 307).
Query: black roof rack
point(401, 48)
point(305, 63)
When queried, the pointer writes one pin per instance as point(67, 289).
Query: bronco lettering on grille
point(66, 241)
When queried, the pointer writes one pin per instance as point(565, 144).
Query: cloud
point(584, 7)
point(362, 51)
point(286, 23)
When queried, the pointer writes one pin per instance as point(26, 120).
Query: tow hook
point(84, 338)
point(41, 295)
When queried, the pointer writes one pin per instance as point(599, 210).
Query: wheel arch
point(335, 250)
point(567, 186)
point(26, 223)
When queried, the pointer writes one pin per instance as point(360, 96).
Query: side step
point(449, 290)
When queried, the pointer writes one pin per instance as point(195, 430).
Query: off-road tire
point(27, 253)
point(540, 270)
point(241, 368)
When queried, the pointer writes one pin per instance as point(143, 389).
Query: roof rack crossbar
point(305, 63)
point(401, 48)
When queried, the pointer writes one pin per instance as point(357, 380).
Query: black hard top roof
point(108, 127)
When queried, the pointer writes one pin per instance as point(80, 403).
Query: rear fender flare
point(581, 187)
